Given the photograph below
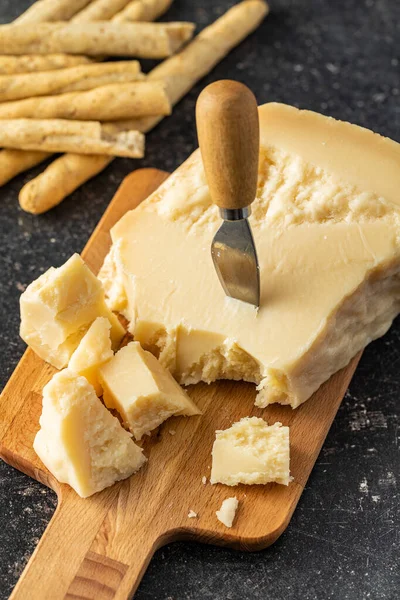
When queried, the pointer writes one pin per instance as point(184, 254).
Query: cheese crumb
point(251, 452)
point(94, 350)
point(204, 480)
point(226, 514)
point(58, 308)
point(171, 431)
point(79, 440)
point(192, 514)
point(142, 391)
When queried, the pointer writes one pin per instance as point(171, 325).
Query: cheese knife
point(229, 138)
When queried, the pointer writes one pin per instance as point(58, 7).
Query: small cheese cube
point(79, 441)
point(93, 351)
point(251, 452)
point(142, 391)
point(226, 514)
point(58, 308)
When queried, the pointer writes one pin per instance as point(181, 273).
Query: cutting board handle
point(74, 558)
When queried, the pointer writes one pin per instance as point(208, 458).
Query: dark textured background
point(338, 57)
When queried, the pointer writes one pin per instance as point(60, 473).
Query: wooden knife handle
point(229, 139)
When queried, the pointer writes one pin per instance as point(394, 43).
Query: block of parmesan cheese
point(94, 350)
point(79, 440)
point(143, 392)
point(326, 226)
point(251, 452)
point(58, 308)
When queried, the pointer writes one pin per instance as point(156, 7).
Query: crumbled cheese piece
point(204, 480)
point(226, 514)
point(192, 514)
point(251, 452)
point(143, 392)
point(95, 349)
point(58, 308)
point(79, 440)
point(171, 431)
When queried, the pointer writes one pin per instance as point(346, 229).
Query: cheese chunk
point(226, 514)
point(326, 226)
point(58, 308)
point(142, 391)
point(94, 350)
point(79, 440)
point(251, 452)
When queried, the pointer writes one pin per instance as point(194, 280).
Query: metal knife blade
point(235, 259)
point(229, 140)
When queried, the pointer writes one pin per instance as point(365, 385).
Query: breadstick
point(63, 176)
point(99, 10)
point(144, 40)
point(51, 10)
point(74, 79)
point(14, 162)
point(14, 65)
point(110, 102)
point(181, 71)
point(58, 135)
point(143, 10)
point(12, 165)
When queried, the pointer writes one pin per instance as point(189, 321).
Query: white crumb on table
point(171, 431)
point(204, 480)
point(192, 514)
point(226, 514)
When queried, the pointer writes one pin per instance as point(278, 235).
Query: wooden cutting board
point(99, 548)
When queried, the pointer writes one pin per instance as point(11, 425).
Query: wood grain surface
point(98, 548)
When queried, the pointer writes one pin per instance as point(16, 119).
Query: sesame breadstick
point(15, 65)
point(107, 103)
point(60, 135)
point(142, 40)
point(62, 81)
point(99, 10)
point(51, 10)
point(143, 10)
point(181, 72)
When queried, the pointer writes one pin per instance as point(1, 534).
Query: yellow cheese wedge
point(58, 308)
point(94, 350)
point(326, 227)
point(142, 391)
point(79, 440)
point(251, 452)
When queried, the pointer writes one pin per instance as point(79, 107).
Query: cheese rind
point(79, 441)
point(58, 308)
point(326, 222)
point(251, 452)
point(226, 514)
point(143, 392)
point(94, 350)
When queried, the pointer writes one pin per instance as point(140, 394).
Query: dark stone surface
point(340, 58)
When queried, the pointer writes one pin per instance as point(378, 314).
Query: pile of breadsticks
point(57, 93)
